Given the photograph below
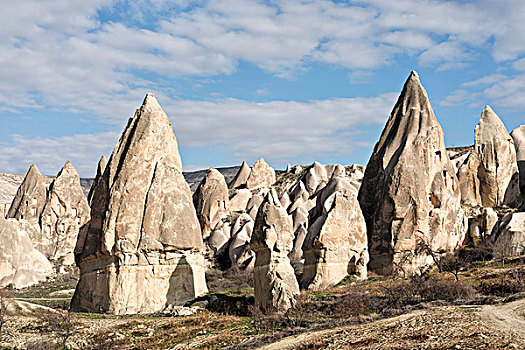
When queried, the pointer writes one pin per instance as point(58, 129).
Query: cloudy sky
point(293, 81)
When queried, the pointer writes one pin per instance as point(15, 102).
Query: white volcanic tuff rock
point(315, 177)
point(410, 193)
point(240, 253)
point(219, 239)
point(518, 135)
point(141, 248)
point(30, 198)
point(242, 176)
point(240, 200)
point(261, 175)
point(485, 179)
point(275, 284)
point(512, 234)
point(101, 166)
point(95, 204)
point(336, 243)
point(64, 213)
point(482, 224)
point(211, 201)
point(20, 263)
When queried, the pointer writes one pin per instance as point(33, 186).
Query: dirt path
point(508, 317)
point(447, 327)
point(293, 342)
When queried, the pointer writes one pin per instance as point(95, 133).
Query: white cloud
point(279, 130)
point(59, 54)
point(50, 154)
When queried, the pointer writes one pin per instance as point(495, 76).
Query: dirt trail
point(463, 327)
point(304, 338)
point(508, 317)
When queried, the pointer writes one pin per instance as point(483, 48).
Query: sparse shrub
point(350, 305)
point(62, 323)
point(503, 249)
point(267, 322)
point(511, 282)
point(5, 299)
point(106, 341)
point(482, 252)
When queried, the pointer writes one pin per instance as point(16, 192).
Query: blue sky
point(293, 81)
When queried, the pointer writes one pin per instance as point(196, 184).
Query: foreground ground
point(484, 310)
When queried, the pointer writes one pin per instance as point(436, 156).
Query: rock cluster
point(51, 217)
point(140, 236)
point(336, 243)
point(141, 251)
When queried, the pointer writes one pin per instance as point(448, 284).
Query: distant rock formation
point(30, 198)
point(485, 178)
point(336, 244)
point(242, 176)
point(64, 213)
point(261, 175)
point(275, 284)
point(51, 218)
point(211, 201)
point(21, 265)
point(518, 135)
point(410, 193)
point(142, 250)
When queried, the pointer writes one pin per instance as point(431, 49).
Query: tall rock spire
point(410, 195)
point(143, 225)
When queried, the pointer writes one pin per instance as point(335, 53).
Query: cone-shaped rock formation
point(211, 201)
point(141, 251)
point(275, 284)
point(241, 177)
point(261, 175)
point(487, 174)
point(30, 197)
point(410, 193)
point(65, 212)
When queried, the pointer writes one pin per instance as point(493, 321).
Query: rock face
point(275, 284)
point(481, 225)
point(410, 192)
point(20, 264)
point(336, 244)
point(98, 178)
point(30, 197)
point(518, 135)
point(142, 247)
point(241, 177)
point(261, 175)
point(64, 213)
point(211, 201)
point(486, 177)
point(511, 237)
